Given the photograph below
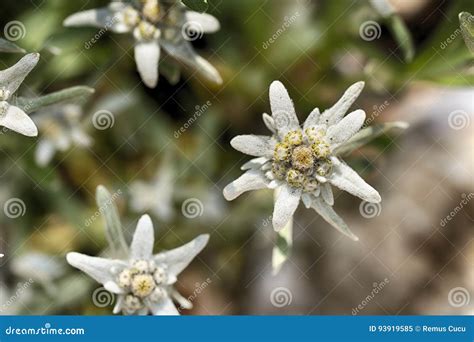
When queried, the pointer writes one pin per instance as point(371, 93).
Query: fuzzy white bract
point(13, 117)
point(155, 25)
point(302, 162)
point(143, 282)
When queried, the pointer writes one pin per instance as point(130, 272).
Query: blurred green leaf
point(402, 36)
point(114, 231)
point(197, 5)
point(367, 134)
point(283, 246)
point(66, 95)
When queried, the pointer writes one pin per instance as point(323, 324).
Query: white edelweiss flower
point(61, 129)
point(301, 162)
point(155, 196)
point(155, 24)
point(143, 282)
point(11, 116)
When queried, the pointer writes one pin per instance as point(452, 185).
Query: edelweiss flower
point(302, 163)
point(11, 116)
point(155, 196)
point(144, 282)
point(155, 24)
point(61, 128)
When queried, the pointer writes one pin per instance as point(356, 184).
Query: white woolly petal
point(179, 258)
point(343, 177)
point(110, 17)
point(143, 240)
point(250, 180)
point(147, 56)
point(346, 128)
point(11, 78)
point(334, 114)
point(164, 307)
point(255, 163)
point(283, 110)
point(286, 204)
point(184, 52)
point(326, 193)
point(312, 119)
point(254, 145)
point(327, 212)
point(99, 269)
point(203, 22)
point(269, 122)
point(17, 120)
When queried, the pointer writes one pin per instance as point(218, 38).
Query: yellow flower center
point(302, 158)
point(142, 285)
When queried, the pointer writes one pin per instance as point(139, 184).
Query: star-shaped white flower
point(302, 162)
point(155, 24)
point(155, 196)
point(143, 282)
point(11, 116)
point(61, 128)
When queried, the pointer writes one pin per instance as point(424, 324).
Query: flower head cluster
point(13, 117)
point(155, 24)
point(143, 282)
point(302, 162)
